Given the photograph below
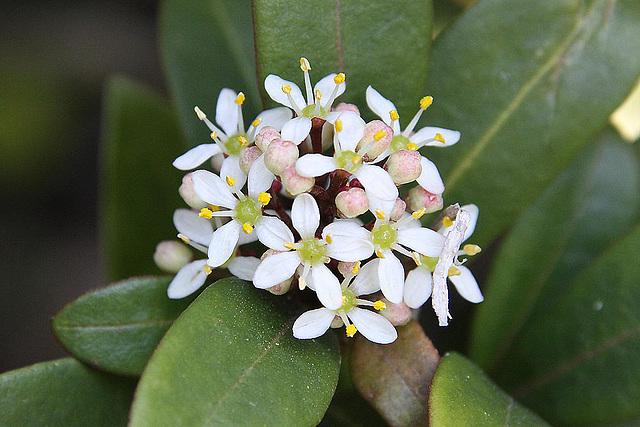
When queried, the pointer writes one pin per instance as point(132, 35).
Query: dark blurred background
point(55, 58)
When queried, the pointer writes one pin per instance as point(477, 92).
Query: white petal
point(212, 189)
point(327, 286)
point(430, 178)
point(273, 84)
point(313, 323)
point(377, 182)
point(349, 241)
point(273, 233)
point(275, 269)
point(391, 275)
point(466, 285)
point(326, 85)
point(223, 243)
point(305, 215)
point(188, 280)
point(373, 326)
point(312, 165)
point(260, 178)
point(332, 116)
point(243, 267)
point(422, 240)
point(247, 238)
point(227, 111)
point(473, 214)
point(380, 105)
point(450, 136)
point(296, 130)
point(417, 287)
point(352, 130)
point(376, 204)
point(196, 156)
point(367, 280)
point(231, 167)
point(191, 225)
point(274, 117)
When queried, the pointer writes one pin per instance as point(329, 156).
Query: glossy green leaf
point(558, 324)
point(395, 378)
point(116, 328)
point(63, 393)
point(376, 43)
point(528, 84)
point(207, 45)
point(141, 138)
point(463, 395)
point(231, 359)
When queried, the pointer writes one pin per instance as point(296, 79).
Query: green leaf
point(557, 325)
point(528, 84)
point(140, 140)
point(231, 359)
point(463, 395)
point(372, 42)
point(63, 393)
point(207, 45)
point(116, 328)
point(395, 378)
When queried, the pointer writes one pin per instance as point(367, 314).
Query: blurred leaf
point(63, 393)
point(207, 45)
point(559, 322)
point(463, 395)
point(116, 328)
point(231, 359)
point(376, 43)
point(140, 140)
point(528, 84)
point(395, 378)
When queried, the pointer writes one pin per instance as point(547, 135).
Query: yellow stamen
point(356, 268)
point(329, 239)
point(213, 208)
point(200, 114)
point(356, 160)
point(447, 222)
point(289, 246)
point(379, 135)
point(417, 214)
point(206, 213)
point(264, 198)
point(351, 330)
point(339, 78)
point(318, 95)
point(207, 270)
point(453, 271)
point(338, 125)
point(304, 64)
point(247, 228)
point(286, 89)
point(230, 181)
point(426, 102)
point(412, 146)
point(394, 115)
point(380, 214)
point(302, 283)
point(243, 141)
point(256, 122)
point(214, 135)
point(439, 138)
point(416, 257)
point(379, 305)
point(184, 238)
point(379, 254)
point(471, 249)
point(240, 98)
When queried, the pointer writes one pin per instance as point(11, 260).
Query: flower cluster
point(322, 197)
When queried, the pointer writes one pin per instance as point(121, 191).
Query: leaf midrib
point(163, 322)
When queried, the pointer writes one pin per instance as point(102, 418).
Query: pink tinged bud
point(188, 194)
point(265, 136)
point(346, 268)
point(397, 314)
point(171, 256)
point(404, 166)
point(343, 106)
point(280, 155)
point(377, 136)
point(352, 202)
point(398, 209)
point(247, 156)
point(418, 198)
point(295, 184)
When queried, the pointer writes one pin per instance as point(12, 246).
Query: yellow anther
point(339, 78)
point(243, 141)
point(264, 198)
point(351, 330)
point(412, 146)
point(471, 249)
point(344, 299)
point(200, 114)
point(206, 213)
point(247, 228)
point(379, 305)
point(286, 89)
point(417, 214)
point(304, 64)
point(454, 271)
point(356, 268)
point(329, 239)
point(394, 115)
point(302, 283)
point(214, 135)
point(380, 214)
point(356, 160)
point(256, 122)
point(425, 102)
point(240, 98)
point(447, 222)
point(318, 95)
point(338, 125)
point(439, 138)
point(230, 181)
point(213, 208)
point(379, 254)
point(184, 238)
point(207, 270)
point(289, 246)
point(379, 135)
point(417, 258)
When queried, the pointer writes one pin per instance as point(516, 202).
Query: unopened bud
point(418, 198)
point(247, 156)
point(398, 209)
point(282, 287)
point(343, 106)
point(346, 268)
point(280, 155)
point(265, 136)
point(171, 256)
point(377, 136)
point(397, 314)
point(404, 166)
point(352, 202)
point(295, 184)
point(188, 194)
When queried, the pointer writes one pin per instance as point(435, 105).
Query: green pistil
point(348, 160)
point(348, 301)
point(310, 111)
point(429, 262)
point(399, 142)
point(233, 146)
point(311, 251)
point(248, 211)
point(384, 236)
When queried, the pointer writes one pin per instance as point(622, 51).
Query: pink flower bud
point(398, 209)
point(418, 198)
point(352, 202)
point(282, 287)
point(343, 106)
point(346, 268)
point(189, 195)
point(404, 166)
point(376, 139)
point(265, 136)
point(280, 155)
point(247, 156)
point(171, 256)
point(295, 184)
point(397, 314)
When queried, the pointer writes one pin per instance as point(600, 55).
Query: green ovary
point(248, 211)
point(345, 161)
point(311, 251)
point(233, 146)
point(399, 142)
point(310, 111)
point(429, 262)
point(348, 301)
point(384, 236)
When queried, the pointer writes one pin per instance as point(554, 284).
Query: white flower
point(311, 252)
point(433, 271)
point(371, 325)
point(430, 178)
